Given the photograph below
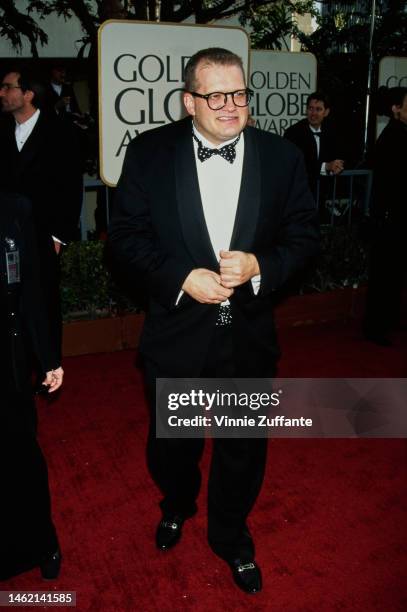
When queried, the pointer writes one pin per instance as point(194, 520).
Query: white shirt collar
point(315, 130)
point(23, 130)
point(57, 88)
point(30, 123)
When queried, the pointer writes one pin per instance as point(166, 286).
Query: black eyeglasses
point(8, 86)
point(218, 99)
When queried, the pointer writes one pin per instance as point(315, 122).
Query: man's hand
point(57, 246)
point(53, 379)
point(63, 104)
point(336, 166)
point(205, 287)
point(236, 268)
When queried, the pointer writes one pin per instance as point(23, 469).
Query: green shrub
point(341, 263)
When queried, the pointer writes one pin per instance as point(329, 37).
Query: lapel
point(9, 142)
point(313, 144)
point(189, 201)
point(249, 197)
point(323, 144)
point(32, 144)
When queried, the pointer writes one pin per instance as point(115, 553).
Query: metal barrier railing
point(340, 196)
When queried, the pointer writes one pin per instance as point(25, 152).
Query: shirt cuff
point(58, 240)
point(180, 294)
point(323, 168)
point(256, 280)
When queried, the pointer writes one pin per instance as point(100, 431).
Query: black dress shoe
point(247, 575)
point(169, 531)
point(51, 565)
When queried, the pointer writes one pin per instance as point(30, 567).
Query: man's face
point(11, 95)
point(316, 113)
point(58, 75)
point(217, 126)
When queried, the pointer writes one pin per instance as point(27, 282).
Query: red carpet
point(330, 524)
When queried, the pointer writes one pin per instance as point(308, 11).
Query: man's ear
point(326, 112)
point(189, 103)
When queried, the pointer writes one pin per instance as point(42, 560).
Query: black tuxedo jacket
point(158, 234)
point(47, 170)
point(329, 149)
point(27, 330)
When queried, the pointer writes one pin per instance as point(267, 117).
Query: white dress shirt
point(23, 130)
point(219, 185)
point(57, 88)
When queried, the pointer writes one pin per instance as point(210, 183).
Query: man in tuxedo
point(39, 158)
point(213, 217)
point(60, 95)
point(318, 142)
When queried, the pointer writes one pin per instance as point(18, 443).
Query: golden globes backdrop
point(392, 73)
point(141, 73)
point(281, 82)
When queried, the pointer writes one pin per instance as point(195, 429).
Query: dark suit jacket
point(158, 234)
point(329, 149)
point(27, 330)
point(47, 170)
point(389, 169)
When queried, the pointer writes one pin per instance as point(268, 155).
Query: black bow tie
point(316, 133)
point(228, 152)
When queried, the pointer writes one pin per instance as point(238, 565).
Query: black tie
point(228, 152)
point(317, 133)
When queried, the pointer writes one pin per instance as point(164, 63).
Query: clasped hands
point(208, 287)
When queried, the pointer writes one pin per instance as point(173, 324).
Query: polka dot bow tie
point(228, 152)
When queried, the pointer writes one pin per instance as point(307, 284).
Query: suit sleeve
point(32, 302)
point(297, 240)
point(66, 182)
point(134, 244)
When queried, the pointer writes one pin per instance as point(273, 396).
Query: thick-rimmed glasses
point(218, 99)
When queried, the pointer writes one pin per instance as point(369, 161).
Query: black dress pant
point(27, 533)
point(236, 471)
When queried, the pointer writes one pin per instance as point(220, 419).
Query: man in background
point(317, 140)
point(40, 158)
point(60, 95)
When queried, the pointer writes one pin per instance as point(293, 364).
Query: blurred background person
point(60, 95)
point(318, 141)
point(40, 158)
point(27, 533)
point(388, 254)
